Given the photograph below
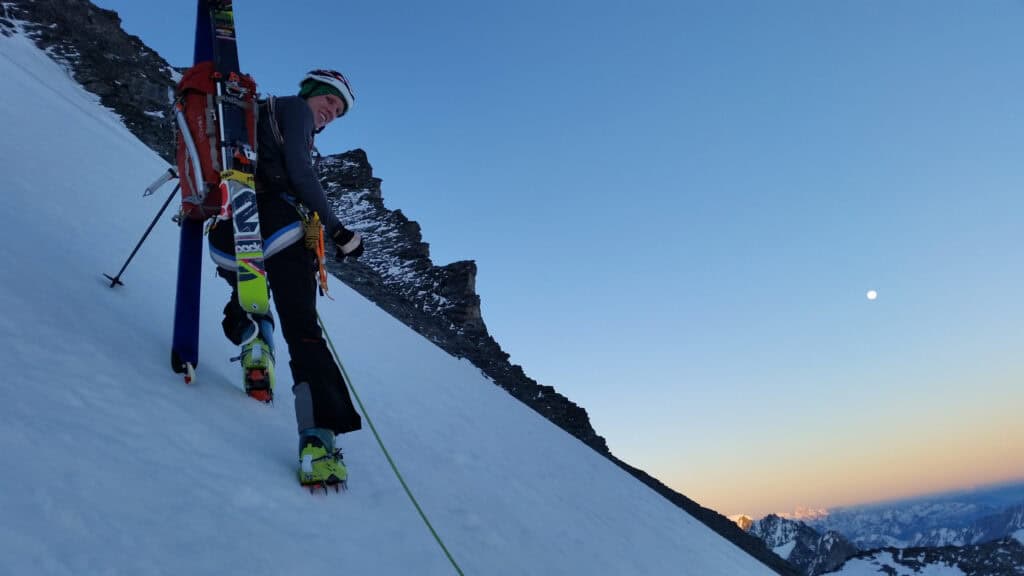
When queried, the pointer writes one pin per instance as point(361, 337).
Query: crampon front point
point(258, 386)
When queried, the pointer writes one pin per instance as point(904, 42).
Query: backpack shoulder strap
point(272, 117)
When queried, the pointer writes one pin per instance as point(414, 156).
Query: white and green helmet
point(335, 80)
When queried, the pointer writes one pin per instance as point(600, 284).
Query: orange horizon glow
point(881, 468)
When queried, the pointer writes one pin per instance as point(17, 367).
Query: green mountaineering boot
point(258, 362)
point(320, 463)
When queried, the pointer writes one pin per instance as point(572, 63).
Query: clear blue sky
point(677, 208)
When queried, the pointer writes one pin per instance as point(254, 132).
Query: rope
point(387, 455)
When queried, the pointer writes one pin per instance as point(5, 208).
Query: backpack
point(198, 145)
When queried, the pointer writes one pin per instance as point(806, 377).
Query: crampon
point(258, 385)
point(321, 467)
point(258, 369)
point(337, 486)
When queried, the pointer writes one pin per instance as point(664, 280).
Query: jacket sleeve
point(295, 120)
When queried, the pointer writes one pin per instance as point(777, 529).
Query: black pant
point(291, 276)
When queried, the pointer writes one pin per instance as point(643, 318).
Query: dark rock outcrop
point(127, 75)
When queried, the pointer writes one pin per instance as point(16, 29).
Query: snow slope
point(112, 465)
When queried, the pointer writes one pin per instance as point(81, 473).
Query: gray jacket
point(285, 164)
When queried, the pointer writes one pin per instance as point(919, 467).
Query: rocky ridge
point(126, 75)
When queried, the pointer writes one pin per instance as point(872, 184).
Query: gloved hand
point(347, 244)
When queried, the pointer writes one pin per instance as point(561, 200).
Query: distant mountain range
point(1009, 522)
point(1000, 558)
point(956, 519)
point(977, 533)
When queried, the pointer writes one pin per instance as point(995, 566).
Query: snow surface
point(873, 567)
point(1019, 535)
point(785, 550)
point(114, 466)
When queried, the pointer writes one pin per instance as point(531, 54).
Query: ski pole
point(115, 280)
point(170, 173)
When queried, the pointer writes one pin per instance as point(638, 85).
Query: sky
point(677, 209)
point(122, 468)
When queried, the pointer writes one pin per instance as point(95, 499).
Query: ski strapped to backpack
point(216, 157)
point(199, 143)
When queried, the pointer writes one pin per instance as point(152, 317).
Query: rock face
point(743, 521)
point(127, 76)
point(439, 302)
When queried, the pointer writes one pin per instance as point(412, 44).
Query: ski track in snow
point(114, 466)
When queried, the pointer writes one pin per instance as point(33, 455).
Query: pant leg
point(321, 397)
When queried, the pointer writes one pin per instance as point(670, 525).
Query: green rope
point(387, 455)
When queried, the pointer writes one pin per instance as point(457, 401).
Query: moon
point(872, 294)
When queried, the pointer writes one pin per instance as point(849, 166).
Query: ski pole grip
point(171, 173)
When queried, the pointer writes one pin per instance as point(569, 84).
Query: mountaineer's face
point(326, 108)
